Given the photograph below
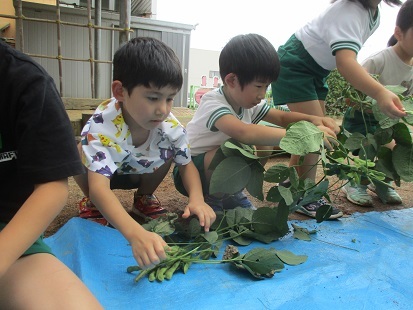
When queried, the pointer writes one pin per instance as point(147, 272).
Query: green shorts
point(38, 247)
point(199, 164)
point(301, 78)
point(357, 124)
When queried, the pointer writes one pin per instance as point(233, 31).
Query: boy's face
point(147, 106)
point(405, 40)
point(251, 94)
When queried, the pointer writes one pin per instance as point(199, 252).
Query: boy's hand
point(329, 137)
point(327, 122)
point(390, 104)
point(203, 211)
point(148, 249)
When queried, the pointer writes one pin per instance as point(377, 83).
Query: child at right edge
point(394, 66)
point(329, 41)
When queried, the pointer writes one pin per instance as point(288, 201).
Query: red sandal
point(89, 212)
point(147, 206)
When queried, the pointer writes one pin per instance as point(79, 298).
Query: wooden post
point(98, 39)
point(124, 22)
point(19, 25)
point(90, 25)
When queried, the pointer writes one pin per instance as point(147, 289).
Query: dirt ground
point(172, 200)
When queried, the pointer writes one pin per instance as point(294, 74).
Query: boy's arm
point(196, 205)
point(250, 134)
point(148, 248)
point(357, 76)
point(283, 119)
point(253, 134)
point(32, 219)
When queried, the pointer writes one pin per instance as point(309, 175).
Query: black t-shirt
point(37, 143)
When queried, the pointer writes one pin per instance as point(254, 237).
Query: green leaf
point(211, 236)
point(385, 163)
point(383, 136)
point(277, 173)
point(263, 220)
point(281, 219)
point(301, 235)
point(403, 161)
point(262, 262)
point(384, 121)
point(286, 194)
point(402, 134)
point(294, 178)
point(408, 105)
point(238, 216)
point(230, 176)
point(241, 240)
point(323, 213)
point(162, 226)
point(265, 238)
point(381, 190)
point(290, 258)
point(274, 195)
point(355, 141)
point(397, 89)
point(302, 138)
point(194, 228)
point(314, 193)
point(256, 181)
point(246, 153)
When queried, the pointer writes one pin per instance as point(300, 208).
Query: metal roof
point(141, 8)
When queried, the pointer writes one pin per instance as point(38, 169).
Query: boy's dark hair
point(251, 57)
point(404, 20)
point(366, 3)
point(392, 41)
point(146, 61)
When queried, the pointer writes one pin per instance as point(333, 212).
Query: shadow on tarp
point(360, 262)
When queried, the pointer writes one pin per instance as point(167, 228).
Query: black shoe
point(311, 209)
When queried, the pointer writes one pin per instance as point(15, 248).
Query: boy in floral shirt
point(131, 142)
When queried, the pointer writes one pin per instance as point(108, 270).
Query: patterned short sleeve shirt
point(107, 143)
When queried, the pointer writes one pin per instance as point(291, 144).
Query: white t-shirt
point(391, 69)
point(107, 143)
point(203, 135)
point(344, 25)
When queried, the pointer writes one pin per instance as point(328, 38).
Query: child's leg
point(207, 161)
point(149, 182)
point(145, 203)
point(308, 168)
point(81, 179)
point(41, 281)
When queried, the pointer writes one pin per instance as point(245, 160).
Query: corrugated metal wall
point(41, 39)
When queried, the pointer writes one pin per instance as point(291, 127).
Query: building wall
point(41, 39)
point(201, 63)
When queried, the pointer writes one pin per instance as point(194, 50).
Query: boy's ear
point(231, 79)
point(118, 90)
point(398, 33)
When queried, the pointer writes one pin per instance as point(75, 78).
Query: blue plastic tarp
point(360, 262)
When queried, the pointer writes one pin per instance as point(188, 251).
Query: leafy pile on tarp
point(189, 244)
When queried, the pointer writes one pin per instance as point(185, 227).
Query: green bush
point(335, 106)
